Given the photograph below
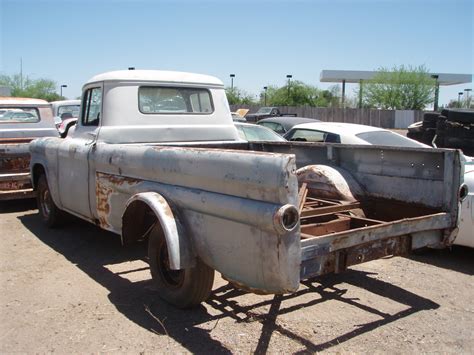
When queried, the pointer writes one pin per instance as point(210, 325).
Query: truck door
point(74, 154)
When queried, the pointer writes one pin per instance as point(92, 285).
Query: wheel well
point(38, 170)
point(137, 221)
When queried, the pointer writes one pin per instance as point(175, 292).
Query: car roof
point(22, 101)
point(288, 121)
point(339, 127)
point(157, 76)
point(66, 102)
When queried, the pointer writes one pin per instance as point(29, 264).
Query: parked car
point(264, 112)
point(253, 133)
point(236, 117)
point(466, 225)
point(281, 125)
point(347, 133)
point(65, 109)
point(21, 121)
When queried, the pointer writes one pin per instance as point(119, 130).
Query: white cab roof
point(157, 76)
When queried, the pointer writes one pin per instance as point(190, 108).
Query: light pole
point(435, 76)
point(232, 76)
point(265, 97)
point(459, 98)
point(468, 98)
point(61, 89)
point(289, 76)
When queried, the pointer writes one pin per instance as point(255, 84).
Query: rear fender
point(180, 251)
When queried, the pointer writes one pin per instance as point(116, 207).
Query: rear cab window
point(174, 100)
point(19, 115)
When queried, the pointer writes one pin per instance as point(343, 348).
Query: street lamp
point(468, 98)
point(265, 88)
point(435, 76)
point(61, 89)
point(289, 76)
point(232, 76)
point(459, 98)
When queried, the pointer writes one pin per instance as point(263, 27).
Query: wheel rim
point(46, 202)
point(172, 278)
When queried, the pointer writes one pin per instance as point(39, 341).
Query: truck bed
point(337, 234)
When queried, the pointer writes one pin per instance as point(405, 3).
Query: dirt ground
point(76, 290)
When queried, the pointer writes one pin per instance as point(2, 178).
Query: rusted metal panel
point(14, 164)
point(363, 235)
point(339, 260)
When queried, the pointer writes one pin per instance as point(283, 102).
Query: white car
point(348, 133)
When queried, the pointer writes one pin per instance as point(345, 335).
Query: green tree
point(299, 94)
point(236, 96)
point(35, 88)
point(402, 88)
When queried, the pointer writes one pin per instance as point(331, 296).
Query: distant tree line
point(295, 93)
point(34, 88)
point(399, 88)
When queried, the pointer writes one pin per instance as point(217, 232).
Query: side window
point(91, 105)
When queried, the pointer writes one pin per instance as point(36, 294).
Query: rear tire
point(182, 288)
point(51, 215)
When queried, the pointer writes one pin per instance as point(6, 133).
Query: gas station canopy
point(356, 76)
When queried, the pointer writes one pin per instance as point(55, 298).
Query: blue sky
point(260, 41)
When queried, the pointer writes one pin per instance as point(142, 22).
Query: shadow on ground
point(17, 205)
point(92, 249)
point(456, 258)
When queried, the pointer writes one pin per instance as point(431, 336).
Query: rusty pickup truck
point(21, 121)
point(155, 156)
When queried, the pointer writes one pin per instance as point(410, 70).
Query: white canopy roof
point(355, 76)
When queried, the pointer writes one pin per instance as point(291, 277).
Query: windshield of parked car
point(310, 135)
point(174, 100)
point(264, 110)
point(19, 115)
point(258, 134)
point(68, 111)
point(389, 139)
point(278, 128)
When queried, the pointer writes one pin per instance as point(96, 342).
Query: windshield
point(258, 134)
point(389, 139)
point(278, 128)
point(19, 115)
point(311, 135)
point(68, 111)
point(264, 110)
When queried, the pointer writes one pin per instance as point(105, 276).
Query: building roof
point(21, 101)
point(157, 76)
point(355, 76)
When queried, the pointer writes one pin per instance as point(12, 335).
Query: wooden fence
point(371, 117)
